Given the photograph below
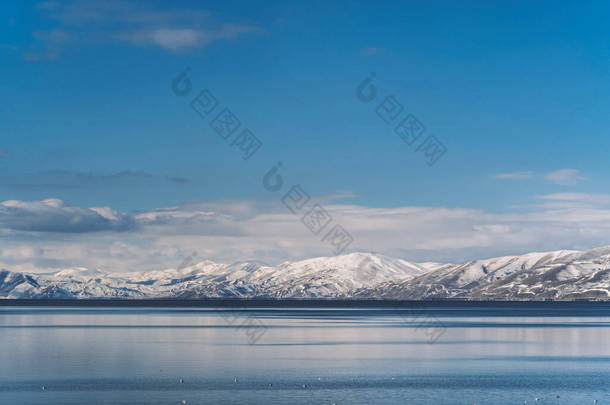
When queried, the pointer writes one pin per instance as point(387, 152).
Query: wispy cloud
point(514, 176)
point(138, 24)
point(69, 180)
point(370, 51)
point(177, 39)
point(565, 177)
point(53, 42)
point(575, 200)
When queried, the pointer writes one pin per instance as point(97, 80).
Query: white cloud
point(573, 201)
point(80, 23)
point(175, 39)
point(229, 231)
point(172, 39)
point(565, 177)
point(578, 197)
point(21, 253)
point(514, 176)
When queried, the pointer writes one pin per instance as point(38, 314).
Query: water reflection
point(358, 356)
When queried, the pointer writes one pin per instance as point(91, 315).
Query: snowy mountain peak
point(562, 274)
point(77, 272)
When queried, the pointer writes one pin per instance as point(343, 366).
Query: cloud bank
point(50, 234)
point(53, 215)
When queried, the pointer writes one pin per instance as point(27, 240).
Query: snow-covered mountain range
point(558, 275)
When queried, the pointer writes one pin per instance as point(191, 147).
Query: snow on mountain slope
point(562, 274)
point(332, 276)
point(320, 277)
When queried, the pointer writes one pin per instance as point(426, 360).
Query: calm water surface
point(309, 356)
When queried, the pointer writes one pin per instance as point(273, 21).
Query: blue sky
point(517, 92)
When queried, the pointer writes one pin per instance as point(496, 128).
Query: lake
point(463, 354)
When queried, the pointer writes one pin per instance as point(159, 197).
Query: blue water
point(309, 356)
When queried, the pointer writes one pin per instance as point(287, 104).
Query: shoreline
point(296, 303)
